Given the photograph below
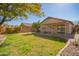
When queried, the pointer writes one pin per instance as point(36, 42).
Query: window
point(61, 29)
point(43, 28)
point(51, 26)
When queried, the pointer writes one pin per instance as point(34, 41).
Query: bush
point(8, 30)
point(45, 32)
point(36, 26)
point(17, 29)
point(76, 42)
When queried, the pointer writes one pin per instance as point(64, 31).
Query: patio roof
point(53, 20)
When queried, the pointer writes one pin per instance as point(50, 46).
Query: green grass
point(31, 45)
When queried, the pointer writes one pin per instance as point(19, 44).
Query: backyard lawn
point(31, 45)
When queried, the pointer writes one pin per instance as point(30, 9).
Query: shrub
point(36, 26)
point(17, 29)
point(76, 42)
point(8, 30)
point(45, 32)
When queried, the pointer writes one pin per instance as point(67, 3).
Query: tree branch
point(3, 20)
point(10, 19)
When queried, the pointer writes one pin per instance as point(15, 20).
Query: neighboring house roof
point(27, 24)
point(4, 25)
point(51, 20)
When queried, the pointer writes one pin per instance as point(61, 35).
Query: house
point(56, 26)
point(26, 27)
point(3, 28)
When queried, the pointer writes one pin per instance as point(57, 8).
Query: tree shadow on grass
point(4, 45)
point(26, 34)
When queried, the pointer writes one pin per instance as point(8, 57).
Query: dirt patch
point(2, 38)
point(71, 50)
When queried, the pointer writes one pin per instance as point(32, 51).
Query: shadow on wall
point(60, 35)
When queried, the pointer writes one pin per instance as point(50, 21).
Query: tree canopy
point(36, 26)
point(9, 11)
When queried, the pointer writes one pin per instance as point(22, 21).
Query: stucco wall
point(68, 28)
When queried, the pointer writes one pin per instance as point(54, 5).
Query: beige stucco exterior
point(60, 27)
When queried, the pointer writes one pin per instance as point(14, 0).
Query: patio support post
point(65, 29)
point(56, 29)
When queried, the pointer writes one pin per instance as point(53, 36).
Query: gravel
point(71, 50)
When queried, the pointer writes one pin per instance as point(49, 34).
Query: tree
point(17, 29)
point(10, 11)
point(22, 24)
point(36, 26)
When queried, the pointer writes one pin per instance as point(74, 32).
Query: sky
point(67, 11)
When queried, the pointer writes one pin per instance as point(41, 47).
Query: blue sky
point(68, 11)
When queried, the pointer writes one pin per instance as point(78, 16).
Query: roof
point(4, 25)
point(27, 24)
point(50, 20)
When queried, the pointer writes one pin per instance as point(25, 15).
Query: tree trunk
point(3, 20)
